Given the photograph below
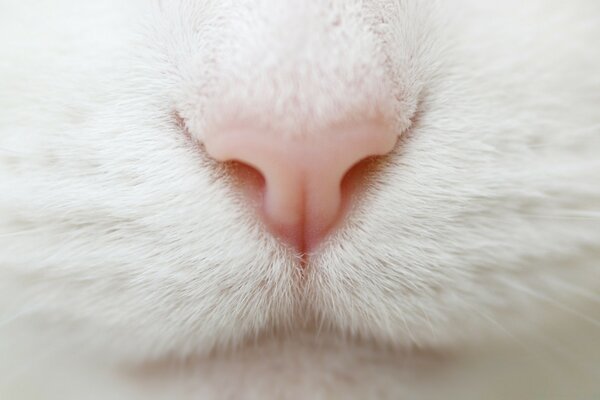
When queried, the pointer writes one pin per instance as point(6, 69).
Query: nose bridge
point(299, 28)
point(301, 66)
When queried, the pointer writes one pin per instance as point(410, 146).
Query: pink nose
point(301, 199)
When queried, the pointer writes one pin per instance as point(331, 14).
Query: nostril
point(252, 185)
point(356, 182)
point(248, 180)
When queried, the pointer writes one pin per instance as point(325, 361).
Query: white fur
point(129, 262)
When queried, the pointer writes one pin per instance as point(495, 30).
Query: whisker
point(15, 317)
point(428, 321)
point(20, 370)
point(544, 357)
point(409, 332)
point(23, 312)
point(23, 232)
point(558, 305)
point(19, 153)
point(595, 297)
point(10, 151)
point(587, 133)
point(584, 215)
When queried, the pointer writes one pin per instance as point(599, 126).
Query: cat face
point(118, 228)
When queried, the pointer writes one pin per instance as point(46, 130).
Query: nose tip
point(301, 200)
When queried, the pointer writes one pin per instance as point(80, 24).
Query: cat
point(460, 260)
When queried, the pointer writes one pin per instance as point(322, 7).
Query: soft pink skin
point(302, 197)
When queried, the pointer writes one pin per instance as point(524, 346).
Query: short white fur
point(121, 241)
